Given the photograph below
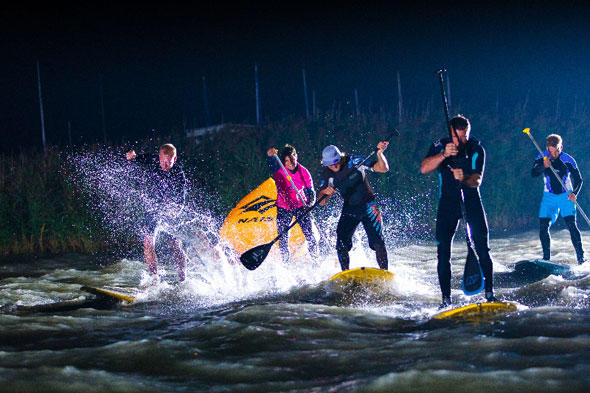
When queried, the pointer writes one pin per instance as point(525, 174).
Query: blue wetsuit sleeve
point(576, 177)
point(273, 164)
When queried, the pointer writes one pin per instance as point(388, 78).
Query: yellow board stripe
point(477, 309)
point(110, 293)
point(363, 274)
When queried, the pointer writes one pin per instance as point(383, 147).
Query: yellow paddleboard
point(363, 275)
point(252, 221)
point(117, 293)
point(477, 310)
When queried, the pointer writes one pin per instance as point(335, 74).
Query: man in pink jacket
point(291, 203)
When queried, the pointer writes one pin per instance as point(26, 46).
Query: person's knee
point(343, 245)
point(443, 247)
point(148, 242)
point(544, 224)
point(377, 245)
point(571, 222)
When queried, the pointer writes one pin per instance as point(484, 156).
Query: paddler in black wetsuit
point(165, 185)
point(462, 160)
point(359, 206)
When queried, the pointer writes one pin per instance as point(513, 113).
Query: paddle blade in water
point(252, 258)
point(473, 281)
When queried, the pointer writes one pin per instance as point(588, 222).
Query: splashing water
point(214, 276)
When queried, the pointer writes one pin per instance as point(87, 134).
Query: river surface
point(287, 329)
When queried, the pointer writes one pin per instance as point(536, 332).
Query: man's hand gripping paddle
point(473, 280)
point(252, 258)
point(528, 132)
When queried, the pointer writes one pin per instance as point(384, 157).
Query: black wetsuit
point(359, 206)
point(165, 190)
point(471, 159)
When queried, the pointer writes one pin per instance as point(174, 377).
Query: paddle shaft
point(291, 180)
point(450, 130)
point(528, 132)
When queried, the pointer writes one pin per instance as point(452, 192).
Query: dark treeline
point(42, 212)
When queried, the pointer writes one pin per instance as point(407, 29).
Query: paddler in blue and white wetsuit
point(459, 160)
point(165, 185)
point(556, 200)
point(340, 174)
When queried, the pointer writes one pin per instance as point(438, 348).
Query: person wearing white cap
point(342, 174)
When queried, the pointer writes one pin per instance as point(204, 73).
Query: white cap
point(331, 155)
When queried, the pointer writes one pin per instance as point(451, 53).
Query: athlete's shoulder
point(354, 159)
point(302, 168)
point(441, 142)
point(474, 146)
point(305, 172)
point(567, 158)
point(474, 141)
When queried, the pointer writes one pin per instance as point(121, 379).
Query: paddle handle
point(528, 132)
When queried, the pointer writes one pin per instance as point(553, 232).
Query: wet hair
point(554, 140)
point(168, 149)
point(460, 122)
point(288, 151)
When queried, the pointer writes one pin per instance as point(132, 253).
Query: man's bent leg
point(446, 225)
point(149, 253)
point(306, 227)
point(544, 224)
point(373, 225)
point(480, 236)
point(179, 257)
point(576, 237)
point(284, 218)
point(344, 231)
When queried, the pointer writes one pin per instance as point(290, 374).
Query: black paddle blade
point(252, 258)
point(473, 281)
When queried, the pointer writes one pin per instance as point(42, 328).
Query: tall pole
point(41, 107)
point(399, 99)
point(104, 130)
point(257, 94)
point(449, 90)
point(206, 102)
point(305, 94)
point(70, 133)
point(356, 102)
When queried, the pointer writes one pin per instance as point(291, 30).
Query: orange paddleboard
point(252, 222)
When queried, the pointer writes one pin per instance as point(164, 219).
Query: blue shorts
point(554, 204)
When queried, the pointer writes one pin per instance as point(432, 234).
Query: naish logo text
point(255, 219)
point(260, 205)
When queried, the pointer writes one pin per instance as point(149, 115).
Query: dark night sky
point(151, 58)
